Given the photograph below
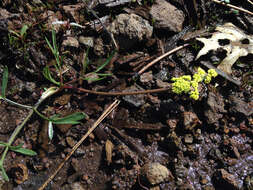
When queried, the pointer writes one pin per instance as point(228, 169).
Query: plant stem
point(13, 136)
point(19, 127)
point(41, 115)
point(17, 104)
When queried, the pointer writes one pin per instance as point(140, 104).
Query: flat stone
point(156, 173)
point(71, 42)
point(87, 41)
point(166, 16)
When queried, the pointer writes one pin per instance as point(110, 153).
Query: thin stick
point(99, 120)
point(232, 6)
point(250, 2)
point(124, 93)
point(161, 57)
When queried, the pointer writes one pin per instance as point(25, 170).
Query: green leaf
point(4, 82)
point(54, 41)
point(3, 144)
point(86, 61)
point(24, 151)
point(106, 62)
point(48, 76)
point(94, 79)
point(104, 74)
point(50, 46)
point(15, 33)
point(23, 30)
point(4, 174)
point(50, 130)
point(70, 119)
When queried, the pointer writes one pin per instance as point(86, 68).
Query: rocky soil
point(155, 138)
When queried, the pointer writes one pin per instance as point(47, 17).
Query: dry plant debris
point(230, 38)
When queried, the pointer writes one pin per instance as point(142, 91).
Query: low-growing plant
point(58, 66)
point(94, 75)
point(185, 84)
point(18, 41)
point(55, 119)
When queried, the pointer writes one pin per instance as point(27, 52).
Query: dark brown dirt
point(192, 144)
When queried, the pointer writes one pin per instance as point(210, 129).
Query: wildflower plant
point(74, 118)
point(189, 85)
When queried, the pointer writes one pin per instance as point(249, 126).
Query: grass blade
point(49, 45)
point(48, 76)
point(4, 174)
point(24, 151)
point(70, 119)
point(3, 144)
point(4, 82)
point(23, 30)
point(104, 64)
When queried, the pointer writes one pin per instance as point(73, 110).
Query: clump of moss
point(189, 85)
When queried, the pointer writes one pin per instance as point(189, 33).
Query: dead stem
point(161, 57)
point(124, 93)
point(232, 6)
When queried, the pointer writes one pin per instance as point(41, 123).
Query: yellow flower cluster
point(210, 74)
point(187, 85)
point(181, 84)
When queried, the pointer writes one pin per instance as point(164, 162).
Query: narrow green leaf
point(24, 151)
point(4, 174)
point(23, 30)
point(106, 62)
point(17, 147)
point(94, 79)
point(70, 119)
point(13, 32)
point(4, 82)
point(104, 74)
point(49, 45)
point(54, 41)
point(3, 144)
point(50, 130)
point(48, 76)
point(86, 61)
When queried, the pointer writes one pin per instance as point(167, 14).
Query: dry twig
point(161, 57)
point(232, 6)
point(250, 2)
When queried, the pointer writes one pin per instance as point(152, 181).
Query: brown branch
point(124, 93)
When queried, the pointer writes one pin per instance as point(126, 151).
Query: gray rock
point(188, 138)
point(215, 108)
point(71, 42)
point(132, 26)
point(87, 41)
point(76, 186)
point(167, 16)
point(129, 29)
point(135, 100)
point(156, 173)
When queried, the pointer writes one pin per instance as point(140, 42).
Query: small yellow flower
point(181, 84)
point(194, 95)
point(212, 73)
point(208, 79)
point(187, 85)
